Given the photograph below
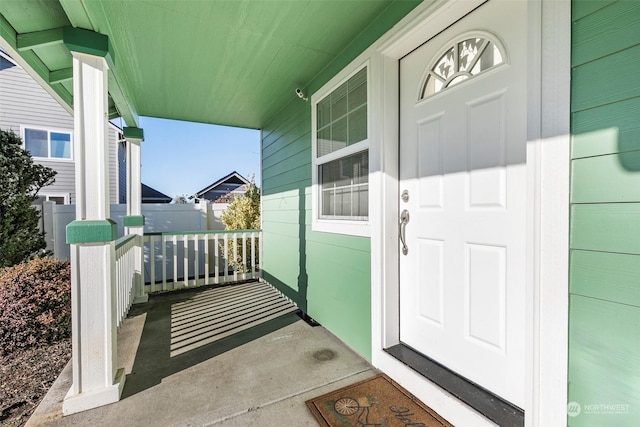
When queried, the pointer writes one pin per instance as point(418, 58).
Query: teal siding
point(604, 311)
point(327, 275)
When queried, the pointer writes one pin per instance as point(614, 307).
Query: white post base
point(96, 381)
point(74, 403)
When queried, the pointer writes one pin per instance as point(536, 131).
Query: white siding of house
point(24, 103)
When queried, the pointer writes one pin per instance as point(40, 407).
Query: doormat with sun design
point(376, 401)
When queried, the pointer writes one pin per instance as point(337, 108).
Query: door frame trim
point(548, 161)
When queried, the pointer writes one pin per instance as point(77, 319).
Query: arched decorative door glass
point(463, 58)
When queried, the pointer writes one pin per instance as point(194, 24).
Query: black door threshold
point(488, 404)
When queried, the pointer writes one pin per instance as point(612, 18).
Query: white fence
point(188, 259)
point(159, 218)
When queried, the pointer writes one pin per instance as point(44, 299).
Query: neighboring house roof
point(151, 195)
point(223, 190)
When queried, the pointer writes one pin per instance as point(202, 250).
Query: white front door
point(463, 133)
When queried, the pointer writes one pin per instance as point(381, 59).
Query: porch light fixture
point(300, 94)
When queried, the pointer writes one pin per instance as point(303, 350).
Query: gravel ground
point(26, 376)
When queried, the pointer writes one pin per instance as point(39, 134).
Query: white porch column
point(134, 221)
point(96, 381)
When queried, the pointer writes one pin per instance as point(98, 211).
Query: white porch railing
point(178, 260)
point(124, 254)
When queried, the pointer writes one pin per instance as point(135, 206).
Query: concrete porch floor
point(185, 369)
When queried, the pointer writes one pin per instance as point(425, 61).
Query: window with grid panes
point(342, 151)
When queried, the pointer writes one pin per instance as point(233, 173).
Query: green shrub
point(243, 213)
point(35, 304)
point(20, 181)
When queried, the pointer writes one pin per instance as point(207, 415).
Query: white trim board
point(547, 198)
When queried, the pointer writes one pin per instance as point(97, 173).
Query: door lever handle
point(404, 219)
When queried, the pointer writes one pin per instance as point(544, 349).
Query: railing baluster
point(244, 263)
point(152, 264)
point(235, 259)
point(140, 264)
point(256, 257)
point(185, 265)
point(164, 263)
point(174, 242)
point(196, 256)
point(260, 254)
point(253, 255)
point(206, 258)
point(118, 284)
point(126, 281)
point(123, 279)
point(226, 257)
point(123, 287)
point(216, 259)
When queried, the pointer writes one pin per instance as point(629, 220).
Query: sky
point(181, 158)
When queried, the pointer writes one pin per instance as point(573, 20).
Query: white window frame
point(47, 196)
point(351, 227)
point(23, 129)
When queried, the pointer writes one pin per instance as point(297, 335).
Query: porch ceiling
point(225, 62)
